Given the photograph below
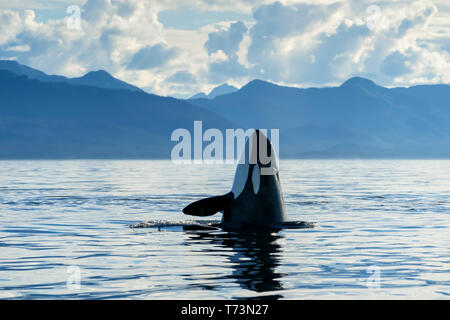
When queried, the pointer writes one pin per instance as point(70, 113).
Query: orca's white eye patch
point(240, 178)
point(255, 179)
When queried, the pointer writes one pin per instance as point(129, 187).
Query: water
point(383, 232)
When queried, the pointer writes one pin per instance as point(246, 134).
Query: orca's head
point(258, 159)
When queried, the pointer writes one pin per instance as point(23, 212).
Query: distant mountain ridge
point(218, 91)
point(59, 120)
point(356, 119)
point(43, 116)
point(100, 78)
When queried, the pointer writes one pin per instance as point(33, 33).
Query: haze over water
point(391, 216)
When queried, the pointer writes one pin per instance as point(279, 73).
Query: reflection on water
point(255, 257)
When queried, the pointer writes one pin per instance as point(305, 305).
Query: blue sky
point(174, 47)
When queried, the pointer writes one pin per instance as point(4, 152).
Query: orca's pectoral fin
point(209, 206)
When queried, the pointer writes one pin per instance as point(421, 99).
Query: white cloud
point(326, 44)
point(11, 23)
point(291, 42)
point(227, 40)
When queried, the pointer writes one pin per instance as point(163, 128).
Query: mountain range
point(357, 119)
point(59, 120)
point(100, 78)
point(99, 116)
point(218, 91)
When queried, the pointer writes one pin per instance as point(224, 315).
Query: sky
point(182, 47)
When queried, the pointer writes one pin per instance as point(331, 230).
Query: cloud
point(308, 44)
point(395, 64)
point(152, 56)
point(291, 42)
point(223, 47)
point(224, 71)
point(12, 23)
point(182, 77)
point(227, 40)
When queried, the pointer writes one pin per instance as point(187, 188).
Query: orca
point(256, 198)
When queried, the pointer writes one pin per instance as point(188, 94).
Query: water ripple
point(382, 232)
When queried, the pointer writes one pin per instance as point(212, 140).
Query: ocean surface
point(383, 232)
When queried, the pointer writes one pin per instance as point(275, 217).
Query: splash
point(213, 224)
